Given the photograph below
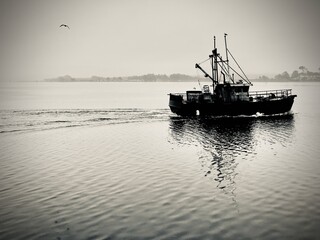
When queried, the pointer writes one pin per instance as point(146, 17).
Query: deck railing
point(270, 93)
point(256, 95)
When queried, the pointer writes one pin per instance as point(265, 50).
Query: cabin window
point(193, 96)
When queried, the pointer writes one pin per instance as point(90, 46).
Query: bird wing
point(64, 25)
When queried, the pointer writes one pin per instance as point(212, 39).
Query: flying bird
point(64, 25)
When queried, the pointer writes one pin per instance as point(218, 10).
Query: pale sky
point(134, 37)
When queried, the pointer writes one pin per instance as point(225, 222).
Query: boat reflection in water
point(225, 142)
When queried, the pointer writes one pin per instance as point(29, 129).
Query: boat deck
point(253, 96)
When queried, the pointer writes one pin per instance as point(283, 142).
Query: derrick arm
point(205, 73)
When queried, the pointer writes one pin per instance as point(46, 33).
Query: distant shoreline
point(161, 81)
point(304, 76)
point(168, 81)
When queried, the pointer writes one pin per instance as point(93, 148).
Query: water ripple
point(224, 142)
point(159, 177)
point(13, 121)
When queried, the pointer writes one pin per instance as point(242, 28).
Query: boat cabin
point(232, 92)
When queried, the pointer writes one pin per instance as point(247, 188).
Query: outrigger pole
point(205, 73)
point(213, 57)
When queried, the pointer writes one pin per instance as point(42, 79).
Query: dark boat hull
point(267, 107)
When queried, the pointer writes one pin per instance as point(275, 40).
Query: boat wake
point(38, 120)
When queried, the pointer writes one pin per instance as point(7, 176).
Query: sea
point(98, 160)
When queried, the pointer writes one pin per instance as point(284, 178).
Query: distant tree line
point(162, 77)
point(176, 77)
point(303, 74)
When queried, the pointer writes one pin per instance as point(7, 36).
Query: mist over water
point(110, 161)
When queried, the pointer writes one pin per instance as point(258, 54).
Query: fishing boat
point(227, 96)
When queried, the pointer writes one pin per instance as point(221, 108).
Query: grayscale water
point(110, 161)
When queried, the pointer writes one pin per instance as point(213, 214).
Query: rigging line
point(222, 66)
point(223, 69)
point(198, 76)
point(239, 67)
point(248, 81)
point(204, 61)
point(226, 73)
point(197, 72)
point(199, 84)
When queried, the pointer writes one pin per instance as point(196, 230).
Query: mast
point(215, 52)
point(213, 62)
point(227, 59)
point(213, 58)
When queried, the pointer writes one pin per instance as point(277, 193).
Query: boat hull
point(267, 107)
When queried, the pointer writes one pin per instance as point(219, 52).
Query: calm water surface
point(110, 161)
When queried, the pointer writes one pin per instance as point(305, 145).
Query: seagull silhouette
point(64, 25)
